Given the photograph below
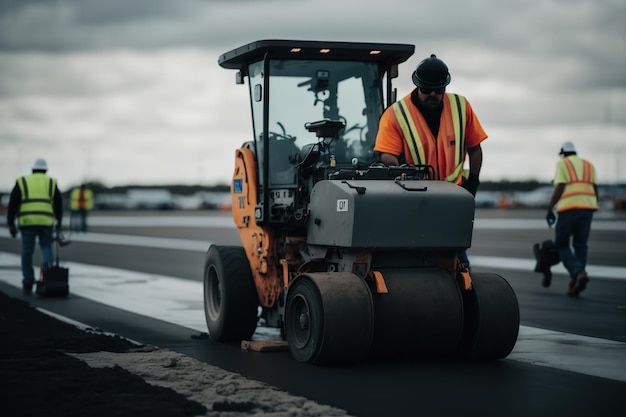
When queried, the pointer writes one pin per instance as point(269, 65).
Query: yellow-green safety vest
point(37, 192)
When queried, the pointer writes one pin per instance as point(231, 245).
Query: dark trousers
point(29, 238)
point(571, 236)
point(78, 220)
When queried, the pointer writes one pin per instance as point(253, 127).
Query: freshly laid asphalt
point(38, 378)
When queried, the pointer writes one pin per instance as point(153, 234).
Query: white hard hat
point(567, 147)
point(40, 165)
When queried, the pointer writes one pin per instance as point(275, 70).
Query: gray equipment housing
point(355, 214)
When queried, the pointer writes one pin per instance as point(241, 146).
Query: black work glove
point(471, 184)
point(13, 230)
point(550, 218)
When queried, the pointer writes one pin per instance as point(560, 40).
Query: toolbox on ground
point(54, 279)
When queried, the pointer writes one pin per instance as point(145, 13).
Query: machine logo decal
point(342, 204)
point(237, 185)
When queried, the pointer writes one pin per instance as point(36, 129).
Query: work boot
point(579, 284)
point(27, 289)
point(542, 267)
point(547, 277)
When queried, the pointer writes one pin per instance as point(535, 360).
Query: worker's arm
point(57, 206)
point(475, 163)
point(475, 160)
point(389, 159)
point(556, 196)
point(14, 204)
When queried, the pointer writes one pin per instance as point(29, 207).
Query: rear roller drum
point(422, 314)
point(491, 318)
point(230, 297)
point(329, 318)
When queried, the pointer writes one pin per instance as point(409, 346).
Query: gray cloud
point(142, 75)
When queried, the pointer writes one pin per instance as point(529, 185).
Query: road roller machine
point(345, 256)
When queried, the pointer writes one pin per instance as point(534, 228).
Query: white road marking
point(516, 264)
point(535, 224)
point(226, 221)
point(180, 301)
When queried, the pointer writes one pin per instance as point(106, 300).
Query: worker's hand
point(550, 218)
point(13, 230)
point(471, 184)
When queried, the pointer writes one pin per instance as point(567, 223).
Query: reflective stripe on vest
point(579, 192)
point(409, 130)
point(37, 191)
point(411, 134)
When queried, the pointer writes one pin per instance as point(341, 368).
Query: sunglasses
point(430, 90)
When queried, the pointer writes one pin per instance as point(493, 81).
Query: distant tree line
point(177, 189)
point(185, 190)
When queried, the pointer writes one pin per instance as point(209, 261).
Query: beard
point(431, 102)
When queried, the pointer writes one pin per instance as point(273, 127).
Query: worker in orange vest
point(575, 198)
point(81, 202)
point(431, 127)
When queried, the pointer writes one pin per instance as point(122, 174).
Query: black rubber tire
point(329, 318)
point(230, 296)
point(491, 315)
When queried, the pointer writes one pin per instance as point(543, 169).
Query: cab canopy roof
point(384, 53)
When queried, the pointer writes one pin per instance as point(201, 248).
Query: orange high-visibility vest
point(81, 199)
point(403, 130)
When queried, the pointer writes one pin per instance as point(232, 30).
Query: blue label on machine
point(238, 185)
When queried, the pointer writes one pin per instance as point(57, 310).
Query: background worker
point(81, 202)
point(575, 197)
point(36, 202)
point(431, 127)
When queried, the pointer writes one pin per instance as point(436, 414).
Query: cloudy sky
point(129, 91)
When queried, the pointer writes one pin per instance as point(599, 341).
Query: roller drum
point(422, 313)
point(329, 318)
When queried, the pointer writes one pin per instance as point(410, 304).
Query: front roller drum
point(421, 314)
point(329, 318)
point(491, 318)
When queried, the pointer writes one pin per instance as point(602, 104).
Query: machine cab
point(315, 109)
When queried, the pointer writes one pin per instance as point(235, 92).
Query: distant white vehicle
point(486, 199)
point(115, 201)
point(537, 198)
point(149, 199)
point(221, 200)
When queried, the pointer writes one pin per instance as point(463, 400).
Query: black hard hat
point(431, 73)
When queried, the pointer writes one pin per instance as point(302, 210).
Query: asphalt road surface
point(139, 275)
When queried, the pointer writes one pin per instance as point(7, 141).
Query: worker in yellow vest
point(575, 197)
point(81, 202)
point(38, 206)
point(431, 127)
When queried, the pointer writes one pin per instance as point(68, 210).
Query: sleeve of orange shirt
point(389, 138)
point(474, 132)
